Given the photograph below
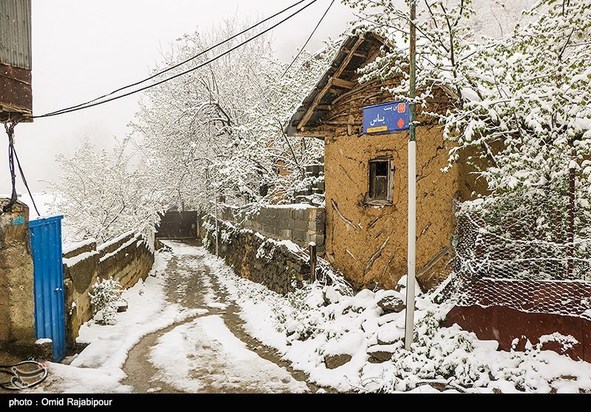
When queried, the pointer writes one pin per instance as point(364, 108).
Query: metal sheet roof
point(15, 33)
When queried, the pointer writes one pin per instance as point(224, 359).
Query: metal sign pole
point(412, 187)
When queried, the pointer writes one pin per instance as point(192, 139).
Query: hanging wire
point(18, 163)
point(9, 127)
point(309, 38)
point(12, 156)
point(95, 102)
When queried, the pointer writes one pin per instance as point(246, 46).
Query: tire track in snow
point(190, 284)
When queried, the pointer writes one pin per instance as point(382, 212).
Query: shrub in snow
point(317, 333)
point(105, 297)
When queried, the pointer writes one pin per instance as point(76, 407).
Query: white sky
point(346, 325)
point(85, 48)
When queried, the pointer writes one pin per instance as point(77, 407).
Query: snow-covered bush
point(105, 298)
point(318, 321)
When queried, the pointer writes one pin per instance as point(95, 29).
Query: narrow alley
point(180, 334)
point(208, 352)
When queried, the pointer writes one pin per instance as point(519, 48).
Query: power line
point(95, 102)
point(12, 156)
point(176, 65)
point(309, 37)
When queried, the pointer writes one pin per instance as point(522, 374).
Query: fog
point(85, 48)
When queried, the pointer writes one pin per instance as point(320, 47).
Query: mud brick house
point(366, 176)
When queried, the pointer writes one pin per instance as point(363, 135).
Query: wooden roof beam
point(358, 54)
point(345, 84)
point(308, 115)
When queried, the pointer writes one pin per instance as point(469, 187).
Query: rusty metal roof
point(16, 99)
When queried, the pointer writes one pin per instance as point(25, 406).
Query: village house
point(366, 174)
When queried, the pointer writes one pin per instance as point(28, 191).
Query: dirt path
point(190, 284)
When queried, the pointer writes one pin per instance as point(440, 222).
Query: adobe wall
point(17, 302)
point(369, 243)
point(126, 259)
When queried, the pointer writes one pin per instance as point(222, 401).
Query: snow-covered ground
point(98, 368)
point(306, 327)
point(229, 363)
point(317, 321)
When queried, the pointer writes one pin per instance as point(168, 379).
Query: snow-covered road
point(178, 335)
point(193, 326)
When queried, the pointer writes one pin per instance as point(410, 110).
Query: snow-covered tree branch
point(520, 99)
point(102, 195)
point(218, 132)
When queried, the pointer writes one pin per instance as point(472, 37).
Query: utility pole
point(412, 190)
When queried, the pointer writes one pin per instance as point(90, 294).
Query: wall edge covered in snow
point(126, 259)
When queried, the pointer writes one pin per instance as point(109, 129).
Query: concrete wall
point(126, 259)
point(17, 303)
point(299, 223)
point(278, 265)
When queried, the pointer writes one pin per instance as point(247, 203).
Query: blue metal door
point(46, 248)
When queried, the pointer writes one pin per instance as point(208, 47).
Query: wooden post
point(312, 246)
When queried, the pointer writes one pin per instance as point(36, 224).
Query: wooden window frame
point(379, 200)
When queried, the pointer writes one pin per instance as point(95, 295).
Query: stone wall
point(17, 305)
point(299, 223)
point(127, 259)
point(281, 266)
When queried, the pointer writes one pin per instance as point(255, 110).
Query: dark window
point(380, 180)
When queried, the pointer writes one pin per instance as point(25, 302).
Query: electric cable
point(12, 156)
point(182, 62)
point(18, 163)
point(9, 127)
point(308, 39)
point(94, 102)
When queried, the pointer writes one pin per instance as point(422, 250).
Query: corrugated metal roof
point(15, 33)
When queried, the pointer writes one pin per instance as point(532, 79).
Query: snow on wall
point(126, 259)
point(73, 247)
point(280, 265)
point(275, 264)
